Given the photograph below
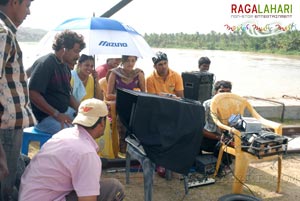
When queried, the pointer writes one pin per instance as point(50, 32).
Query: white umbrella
point(102, 36)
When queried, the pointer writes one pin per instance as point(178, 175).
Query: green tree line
point(285, 43)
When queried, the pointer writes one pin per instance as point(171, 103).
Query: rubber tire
point(238, 197)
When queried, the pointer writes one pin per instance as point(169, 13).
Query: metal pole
point(116, 8)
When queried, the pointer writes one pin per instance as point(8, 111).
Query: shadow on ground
point(261, 180)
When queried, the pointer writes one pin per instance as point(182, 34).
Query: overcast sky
point(153, 16)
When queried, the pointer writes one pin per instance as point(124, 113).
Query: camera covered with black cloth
point(169, 129)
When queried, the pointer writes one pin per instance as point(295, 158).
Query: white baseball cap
point(89, 112)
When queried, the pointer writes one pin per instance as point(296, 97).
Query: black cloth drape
point(170, 130)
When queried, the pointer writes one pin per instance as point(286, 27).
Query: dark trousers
point(208, 145)
point(11, 141)
point(110, 190)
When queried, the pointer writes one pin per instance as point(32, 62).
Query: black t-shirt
point(51, 78)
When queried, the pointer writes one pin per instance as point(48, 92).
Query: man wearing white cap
point(68, 167)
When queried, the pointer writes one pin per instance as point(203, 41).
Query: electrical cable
point(244, 184)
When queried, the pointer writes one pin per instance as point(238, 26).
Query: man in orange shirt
point(166, 82)
point(163, 80)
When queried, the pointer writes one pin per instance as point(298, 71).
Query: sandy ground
point(261, 182)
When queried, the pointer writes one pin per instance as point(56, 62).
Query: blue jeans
point(51, 125)
point(11, 141)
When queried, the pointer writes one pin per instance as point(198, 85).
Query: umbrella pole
point(95, 83)
point(116, 8)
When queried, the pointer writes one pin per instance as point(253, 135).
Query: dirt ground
point(261, 182)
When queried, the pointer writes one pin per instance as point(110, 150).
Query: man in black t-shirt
point(49, 86)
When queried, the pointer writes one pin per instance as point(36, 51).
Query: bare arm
point(74, 103)
point(179, 93)
point(103, 87)
point(97, 89)
point(142, 81)
point(210, 135)
point(38, 100)
point(179, 87)
point(111, 86)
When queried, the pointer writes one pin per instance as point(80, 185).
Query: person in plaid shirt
point(15, 111)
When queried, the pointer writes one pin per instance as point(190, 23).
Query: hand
point(95, 75)
point(111, 97)
point(64, 119)
point(167, 95)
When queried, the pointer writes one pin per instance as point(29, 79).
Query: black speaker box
point(198, 85)
point(169, 129)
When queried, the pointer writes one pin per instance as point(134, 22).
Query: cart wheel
point(238, 197)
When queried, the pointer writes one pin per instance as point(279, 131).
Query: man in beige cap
point(67, 167)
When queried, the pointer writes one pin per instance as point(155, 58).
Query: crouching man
point(68, 167)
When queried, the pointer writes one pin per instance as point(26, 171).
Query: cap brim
point(85, 120)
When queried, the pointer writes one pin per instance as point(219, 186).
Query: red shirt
point(102, 70)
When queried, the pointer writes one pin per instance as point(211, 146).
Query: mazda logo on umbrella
point(112, 44)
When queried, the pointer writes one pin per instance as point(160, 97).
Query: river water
point(251, 74)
